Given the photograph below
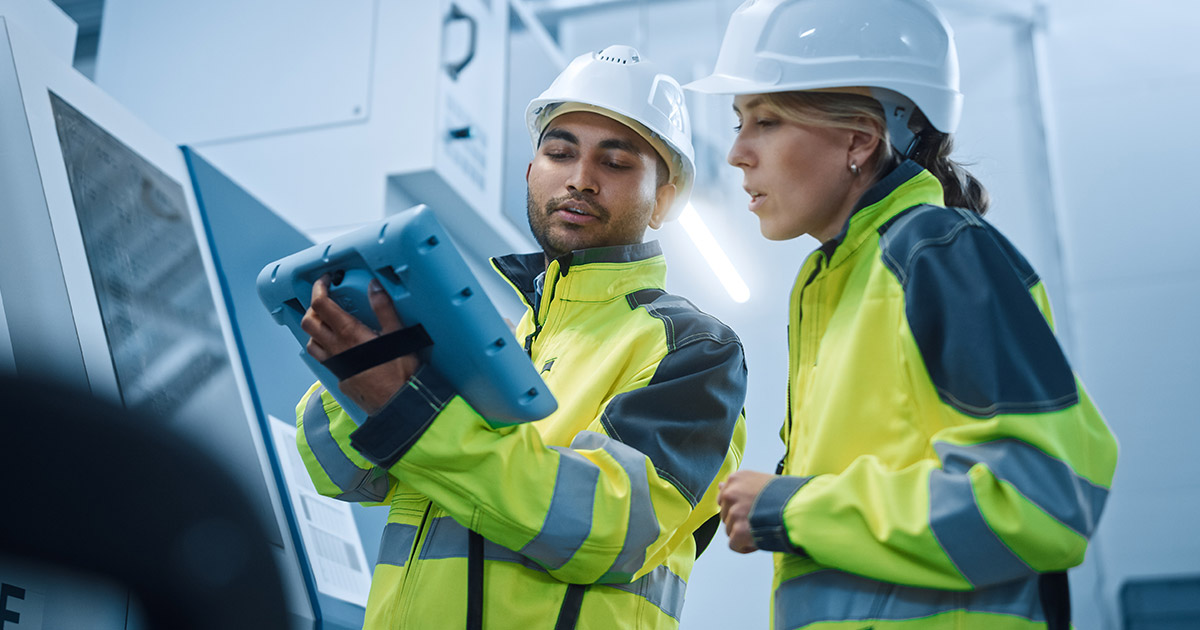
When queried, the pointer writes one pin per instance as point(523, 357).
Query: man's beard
point(539, 221)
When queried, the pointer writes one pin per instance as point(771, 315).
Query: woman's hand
point(332, 331)
point(736, 498)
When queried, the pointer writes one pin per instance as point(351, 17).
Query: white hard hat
point(903, 50)
point(618, 81)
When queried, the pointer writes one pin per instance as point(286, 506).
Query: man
point(593, 516)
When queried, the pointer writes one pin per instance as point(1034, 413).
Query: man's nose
point(582, 178)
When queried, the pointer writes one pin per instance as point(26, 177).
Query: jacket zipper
point(410, 565)
point(787, 436)
point(529, 339)
point(420, 532)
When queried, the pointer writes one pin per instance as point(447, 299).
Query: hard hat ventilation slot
point(623, 55)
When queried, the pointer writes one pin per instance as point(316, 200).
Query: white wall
point(1125, 76)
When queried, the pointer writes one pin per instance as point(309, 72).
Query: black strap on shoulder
point(378, 351)
point(568, 615)
point(1055, 593)
point(474, 581)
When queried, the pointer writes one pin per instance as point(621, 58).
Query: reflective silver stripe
point(1047, 482)
point(356, 484)
point(569, 519)
point(642, 529)
point(448, 539)
point(396, 544)
point(373, 490)
point(660, 587)
point(831, 596)
point(961, 530)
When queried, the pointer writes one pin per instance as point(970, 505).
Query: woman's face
point(798, 176)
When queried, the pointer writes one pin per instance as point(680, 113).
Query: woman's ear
point(862, 147)
point(664, 198)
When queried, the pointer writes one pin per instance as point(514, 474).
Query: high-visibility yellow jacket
point(941, 453)
point(613, 490)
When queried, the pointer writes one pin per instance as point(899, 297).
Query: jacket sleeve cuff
point(386, 436)
point(766, 515)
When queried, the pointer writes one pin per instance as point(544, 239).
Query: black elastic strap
point(378, 351)
point(1055, 593)
point(474, 581)
point(568, 615)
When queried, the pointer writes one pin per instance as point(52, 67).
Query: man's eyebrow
point(620, 145)
point(560, 134)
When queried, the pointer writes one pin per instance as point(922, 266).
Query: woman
point(944, 467)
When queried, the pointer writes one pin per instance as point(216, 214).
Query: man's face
point(593, 183)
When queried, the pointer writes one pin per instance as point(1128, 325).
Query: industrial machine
point(112, 282)
point(347, 111)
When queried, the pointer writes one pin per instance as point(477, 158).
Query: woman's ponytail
point(962, 189)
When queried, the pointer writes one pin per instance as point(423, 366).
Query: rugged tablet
point(448, 318)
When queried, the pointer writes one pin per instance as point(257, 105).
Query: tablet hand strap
point(378, 351)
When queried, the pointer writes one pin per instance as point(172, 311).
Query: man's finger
point(334, 316)
point(318, 332)
point(310, 323)
point(384, 310)
point(321, 287)
point(315, 350)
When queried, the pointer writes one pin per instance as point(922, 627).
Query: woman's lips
point(756, 201)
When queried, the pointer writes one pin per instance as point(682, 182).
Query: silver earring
point(853, 168)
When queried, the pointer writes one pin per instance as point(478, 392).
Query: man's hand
point(736, 498)
point(333, 331)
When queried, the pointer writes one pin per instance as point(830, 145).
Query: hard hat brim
point(725, 84)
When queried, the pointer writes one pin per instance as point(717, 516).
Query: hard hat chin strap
point(911, 148)
point(897, 112)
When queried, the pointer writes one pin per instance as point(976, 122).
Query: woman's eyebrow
point(750, 104)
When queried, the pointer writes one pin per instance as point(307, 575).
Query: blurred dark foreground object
point(91, 486)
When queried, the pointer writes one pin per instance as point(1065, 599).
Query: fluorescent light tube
point(714, 255)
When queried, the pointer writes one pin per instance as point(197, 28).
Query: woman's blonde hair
point(858, 112)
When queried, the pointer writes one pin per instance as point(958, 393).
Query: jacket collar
point(908, 185)
point(595, 274)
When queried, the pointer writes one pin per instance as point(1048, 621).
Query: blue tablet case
point(430, 284)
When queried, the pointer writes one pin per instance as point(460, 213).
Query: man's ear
point(664, 198)
point(528, 168)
